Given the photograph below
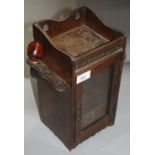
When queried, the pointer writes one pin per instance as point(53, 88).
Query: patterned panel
point(78, 40)
point(100, 56)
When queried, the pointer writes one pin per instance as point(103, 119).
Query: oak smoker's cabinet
point(78, 64)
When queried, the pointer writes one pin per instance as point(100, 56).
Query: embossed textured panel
point(78, 40)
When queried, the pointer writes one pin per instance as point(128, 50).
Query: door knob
point(35, 51)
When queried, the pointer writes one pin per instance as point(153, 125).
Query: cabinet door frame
point(81, 135)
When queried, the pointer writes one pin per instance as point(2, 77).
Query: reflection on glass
point(95, 96)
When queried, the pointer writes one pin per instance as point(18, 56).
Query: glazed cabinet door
point(96, 99)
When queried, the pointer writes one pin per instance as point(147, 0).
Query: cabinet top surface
point(78, 41)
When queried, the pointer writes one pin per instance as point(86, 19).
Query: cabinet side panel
point(56, 111)
point(53, 58)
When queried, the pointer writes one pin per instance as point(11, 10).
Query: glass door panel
point(95, 96)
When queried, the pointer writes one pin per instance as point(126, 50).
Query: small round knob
point(35, 51)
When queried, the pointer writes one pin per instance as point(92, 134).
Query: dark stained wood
point(56, 111)
point(60, 97)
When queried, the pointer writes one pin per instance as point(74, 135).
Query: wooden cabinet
point(78, 74)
